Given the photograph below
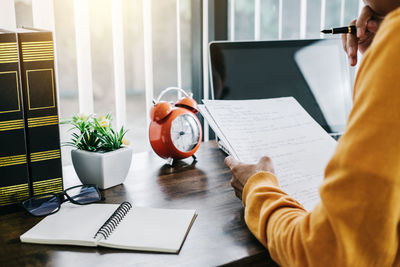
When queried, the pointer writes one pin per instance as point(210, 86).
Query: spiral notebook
point(115, 226)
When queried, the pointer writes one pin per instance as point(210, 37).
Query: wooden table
point(219, 235)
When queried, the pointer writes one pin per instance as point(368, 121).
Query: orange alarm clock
point(175, 131)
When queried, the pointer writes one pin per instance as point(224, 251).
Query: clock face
point(185, 132)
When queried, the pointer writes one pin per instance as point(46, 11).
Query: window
point(86, 32)
point(284, 19)
point(99, 17)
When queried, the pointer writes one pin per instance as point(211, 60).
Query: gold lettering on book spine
point(13, 194)
point(47, 186)
point(37, 51)
point(45, 155)
point(8, 52)
point(42, 121)
point(11, 125)
point(12, 160)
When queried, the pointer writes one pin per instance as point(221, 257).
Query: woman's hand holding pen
point(367, 25)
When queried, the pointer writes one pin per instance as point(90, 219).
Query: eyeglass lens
point(42, 205)
point(83, 194)
point(46, 204)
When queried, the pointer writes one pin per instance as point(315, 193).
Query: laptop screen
point(314, 72)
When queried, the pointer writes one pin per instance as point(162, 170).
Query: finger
point(361, 24)
point(352, 42)
point(265, 160)
point(230, 161)
point(352, 47)
point(344, 42)
point(373, 25)
point(265, 164)
point(238, 194)
point(236, 184)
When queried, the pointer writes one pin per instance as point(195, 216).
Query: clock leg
point(170, 161)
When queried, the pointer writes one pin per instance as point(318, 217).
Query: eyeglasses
point(47, 204)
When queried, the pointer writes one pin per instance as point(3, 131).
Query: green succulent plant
point(95, 133)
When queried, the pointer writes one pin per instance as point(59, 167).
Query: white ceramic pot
point(103, 169)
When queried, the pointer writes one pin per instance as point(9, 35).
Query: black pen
point(349, 29)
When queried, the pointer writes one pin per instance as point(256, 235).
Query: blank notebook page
point(151, 229)
point(71, 225)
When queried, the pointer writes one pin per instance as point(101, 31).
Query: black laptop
point(314, 72)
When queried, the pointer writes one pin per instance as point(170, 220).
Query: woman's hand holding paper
point(241, 172)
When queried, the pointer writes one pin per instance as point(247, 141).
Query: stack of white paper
point(281, 129)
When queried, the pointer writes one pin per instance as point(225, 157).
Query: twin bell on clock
point(175, 132)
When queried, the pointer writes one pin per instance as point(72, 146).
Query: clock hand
point(182, 143)
point(181, 123)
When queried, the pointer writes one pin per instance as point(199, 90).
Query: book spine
point(41, 111)
point(14, 178)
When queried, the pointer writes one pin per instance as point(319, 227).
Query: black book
point(14, 178)
point(36, 54)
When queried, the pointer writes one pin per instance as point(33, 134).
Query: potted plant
point(102, 155)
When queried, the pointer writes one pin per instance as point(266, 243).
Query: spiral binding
point(108, 227)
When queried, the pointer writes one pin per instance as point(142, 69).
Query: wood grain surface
point(219, 235)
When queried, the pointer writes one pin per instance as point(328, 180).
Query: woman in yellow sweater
point(357, 222)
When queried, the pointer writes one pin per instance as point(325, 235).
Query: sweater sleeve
point(356, 223)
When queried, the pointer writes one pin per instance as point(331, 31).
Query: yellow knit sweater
point(357, 221)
